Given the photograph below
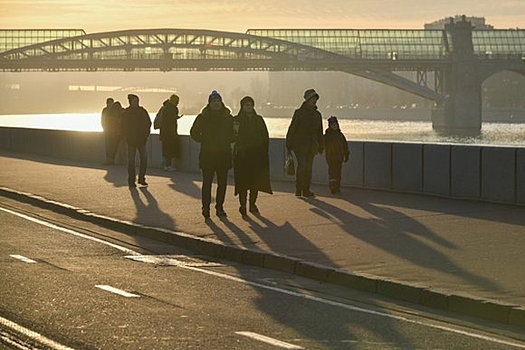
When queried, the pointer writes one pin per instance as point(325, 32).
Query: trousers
point(207, 179)
point(303, 173)
point(143, 162)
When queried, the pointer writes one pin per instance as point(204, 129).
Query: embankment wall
point(490, 173)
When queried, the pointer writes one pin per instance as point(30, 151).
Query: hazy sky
point(239, 15)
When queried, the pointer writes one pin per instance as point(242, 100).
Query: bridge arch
point(168, 49)
point(193, 49)
point(489, 68)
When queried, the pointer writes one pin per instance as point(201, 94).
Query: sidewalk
point(461, 256)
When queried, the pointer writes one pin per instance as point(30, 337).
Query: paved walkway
point(446, 253)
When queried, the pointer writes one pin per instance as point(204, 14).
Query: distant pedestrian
point(111, 128)
point(168, 132)
point(117, 111)
point(136, 126)
point(213, 129)
point(305, 138)
point(251, 165)
point(336, 152)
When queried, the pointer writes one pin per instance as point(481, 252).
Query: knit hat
point(332, 120)
point(174, 99)
point(214, 95)
point(310, 93)
point(247, 99)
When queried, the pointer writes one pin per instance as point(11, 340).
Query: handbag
point(289, 165)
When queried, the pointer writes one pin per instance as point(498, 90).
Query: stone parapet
point(488, 173)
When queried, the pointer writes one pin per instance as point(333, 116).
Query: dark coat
point(168, 130)
point(136, 125)
point(111, 119)
point(305, 133)
point(214, 131)
point(336, 146)
point(251, 164)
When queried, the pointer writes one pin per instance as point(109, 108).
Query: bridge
point(446, 66)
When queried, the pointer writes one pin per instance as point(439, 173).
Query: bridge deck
point(353, 43)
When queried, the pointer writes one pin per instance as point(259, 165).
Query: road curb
point(453, 302)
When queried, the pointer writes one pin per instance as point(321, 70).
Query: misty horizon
point(46, 92)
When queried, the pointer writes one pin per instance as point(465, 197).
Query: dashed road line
point(23, 258)
point(360, 309)
point(279, 290)
point(117, 291)
point(268, 340)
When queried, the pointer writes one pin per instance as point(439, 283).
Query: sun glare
point(68, 121)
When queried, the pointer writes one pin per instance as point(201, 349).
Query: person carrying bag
point(289, 165)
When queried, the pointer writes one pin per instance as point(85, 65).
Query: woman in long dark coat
point(251, 164)
point(168, 132)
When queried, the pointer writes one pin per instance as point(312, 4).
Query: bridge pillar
point(460, 112)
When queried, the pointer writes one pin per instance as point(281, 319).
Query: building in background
point(478, 22)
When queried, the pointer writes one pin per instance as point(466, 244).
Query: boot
point(242, 210)
point(242, 203)
point(253, 199)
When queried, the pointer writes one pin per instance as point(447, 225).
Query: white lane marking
point(284, 291)
point(173, 260)
point(66, 230)
point(23, 258)
point(359, 309)
point(33, 335)
point(269, 340)
point(13, 344)
point(117, 291)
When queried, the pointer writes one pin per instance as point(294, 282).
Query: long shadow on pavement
point(293, 314)
point(402, 237)
point(148, 207)
point(116, 176)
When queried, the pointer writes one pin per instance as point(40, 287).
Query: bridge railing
point(499, 43)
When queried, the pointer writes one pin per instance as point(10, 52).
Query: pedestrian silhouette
point(336, 152)
point(169, 114)
point(251, 165)
point(110, 121)
point(213, 130)
point(136, 126)
point(305, 138)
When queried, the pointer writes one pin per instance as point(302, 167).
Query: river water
point(501, 134)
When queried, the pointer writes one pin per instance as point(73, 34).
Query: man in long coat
point(136, 126)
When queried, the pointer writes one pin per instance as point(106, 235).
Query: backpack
point(158, 119)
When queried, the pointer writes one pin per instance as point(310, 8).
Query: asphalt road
point(80, 286)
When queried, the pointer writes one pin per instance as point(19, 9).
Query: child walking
point(336, 152)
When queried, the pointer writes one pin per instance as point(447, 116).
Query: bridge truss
point(374, 55)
